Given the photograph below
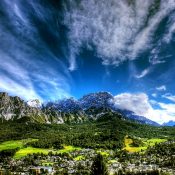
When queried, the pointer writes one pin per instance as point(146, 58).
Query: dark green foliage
point(8, 153)
point(107, 133)
point(99, 166)
point(52, 142)
point(137, 142)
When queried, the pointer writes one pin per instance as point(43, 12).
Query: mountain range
point(170, 123)
point(90, 107)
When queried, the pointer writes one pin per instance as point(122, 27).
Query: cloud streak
point(169, 97)
point(29, 68)
point(119, 29)
point(161, 88)
point(143, 73)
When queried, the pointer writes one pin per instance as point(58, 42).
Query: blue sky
point(53, 49)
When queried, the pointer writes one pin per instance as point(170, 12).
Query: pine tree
point(99, 166)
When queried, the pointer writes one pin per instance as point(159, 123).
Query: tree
point(99, 166)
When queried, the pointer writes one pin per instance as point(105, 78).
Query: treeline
point(107, 133)
point(7, 153)
point(53, 142)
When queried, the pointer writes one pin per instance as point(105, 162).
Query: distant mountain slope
point(141, 119)
point(170, 123)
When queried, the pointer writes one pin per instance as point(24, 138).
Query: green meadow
point(23, 150)
point(13, 144)
point(146, 143)
point(30, 150)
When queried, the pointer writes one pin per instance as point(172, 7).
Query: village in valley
point(78, 161)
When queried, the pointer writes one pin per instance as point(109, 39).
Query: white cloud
point(72, 61)
point(20, 80)
point(119, 29)
point(155, 58)
point(143, 73)
point(137, 103)
point(10, 68)
point(141, 105)
point(169, 96)
point(28, 67)
point(171, 30)
point(154, 95)
point(161, 88)
point(168, 107)
point(14, 88)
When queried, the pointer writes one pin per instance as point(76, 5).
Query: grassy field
point(15, 144)
point(78, 158)
point(103, 152)
point(146, 142)
point(30, 150)
point(23, 151)
point(67, 149)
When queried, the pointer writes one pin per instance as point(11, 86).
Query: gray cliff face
point(14, 108)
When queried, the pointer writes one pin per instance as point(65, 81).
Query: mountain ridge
point(169, 123)
point(90, 107)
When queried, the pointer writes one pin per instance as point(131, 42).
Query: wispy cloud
point(143, 73)
point(29, 68)
point(170, 30)
point(119, 29)
point(26, 92)
point(169, 96)
point(15, 79)
point(154, 95)
point(161, 88)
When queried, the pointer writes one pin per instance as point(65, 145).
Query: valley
point(126, 147)
point(91, 132)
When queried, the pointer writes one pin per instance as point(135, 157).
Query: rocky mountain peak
point(34, 103)
point(98, 100)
